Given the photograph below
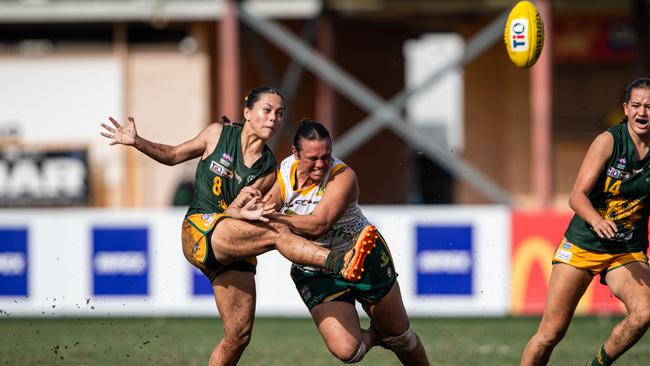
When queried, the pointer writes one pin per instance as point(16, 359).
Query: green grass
point(283, 341)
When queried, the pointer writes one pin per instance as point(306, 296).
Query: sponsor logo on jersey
point(620, 163)
point(566, 245)
point(220, 170)
point(444, 260)
point(249, 179)
point(226, 159)
point(618, 174)
point(307, 202)
point(13, 262)
point(120, 261)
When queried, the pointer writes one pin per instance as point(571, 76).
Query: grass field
point(283, 341)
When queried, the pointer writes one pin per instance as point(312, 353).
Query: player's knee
point(353, 355)
point(402, 343)
point(639, 319)
point(551, 336)
point(279, 228)
point(238, 339)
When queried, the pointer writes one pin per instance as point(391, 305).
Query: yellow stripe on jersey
point(283, 193)
point(292, 177)
point(336, 169)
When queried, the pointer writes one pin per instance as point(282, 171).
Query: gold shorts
point(594, 262)
point(197, 247)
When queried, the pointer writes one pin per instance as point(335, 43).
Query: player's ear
point(294, 151)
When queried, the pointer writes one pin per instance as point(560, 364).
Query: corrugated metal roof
point(61, 11)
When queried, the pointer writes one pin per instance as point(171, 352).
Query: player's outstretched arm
point(165, 154)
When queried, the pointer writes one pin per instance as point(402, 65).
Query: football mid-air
point(524, 34)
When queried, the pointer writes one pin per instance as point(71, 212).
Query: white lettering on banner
point(63, 176)
point(124, 263)
point(444, 261)
point(12, 263)
point(55, 177)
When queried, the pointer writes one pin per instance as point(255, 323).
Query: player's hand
point(245, 195)
point(605, 228)
point(257, 209)
point(124, 135)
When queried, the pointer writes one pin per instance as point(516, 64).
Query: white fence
point(83, 262)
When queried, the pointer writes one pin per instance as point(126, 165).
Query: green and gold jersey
point(621, 195)
point(221, 175)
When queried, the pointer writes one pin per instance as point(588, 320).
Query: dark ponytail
point(640, 83)
point(254, 95)
point(308, 129)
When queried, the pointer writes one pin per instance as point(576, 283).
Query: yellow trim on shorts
point(334, 296)
point(594, 262)
point(201, 225)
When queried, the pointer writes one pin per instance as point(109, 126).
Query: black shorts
point(317, 287)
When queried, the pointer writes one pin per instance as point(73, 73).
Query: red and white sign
point(534, 239)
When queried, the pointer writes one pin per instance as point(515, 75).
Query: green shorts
point(197, 248)
point(317, 287)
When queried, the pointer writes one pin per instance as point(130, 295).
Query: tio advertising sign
point(535, 237)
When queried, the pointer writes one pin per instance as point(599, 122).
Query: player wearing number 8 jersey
point(318, 195)
point(608, 235)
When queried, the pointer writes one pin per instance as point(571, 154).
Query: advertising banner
point(535, 237)
point(33, 177)
point(452, 261)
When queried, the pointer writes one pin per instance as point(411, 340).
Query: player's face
point(266, 115)
point(637, 110)
point(315, 157)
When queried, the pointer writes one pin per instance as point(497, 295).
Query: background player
point(608, 235)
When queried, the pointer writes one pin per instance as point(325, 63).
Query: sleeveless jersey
point(621, 195)
point(221, 175)
point(304, 201)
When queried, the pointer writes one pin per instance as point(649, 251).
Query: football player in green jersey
point(608, 235)
point(317, 195)
point(226, 225)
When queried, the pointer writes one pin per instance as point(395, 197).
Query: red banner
point(534, 239)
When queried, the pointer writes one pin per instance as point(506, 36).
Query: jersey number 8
point(216, 187)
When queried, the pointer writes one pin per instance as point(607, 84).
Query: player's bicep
point(594, 162)
point(339, 192)
point(197, 146)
